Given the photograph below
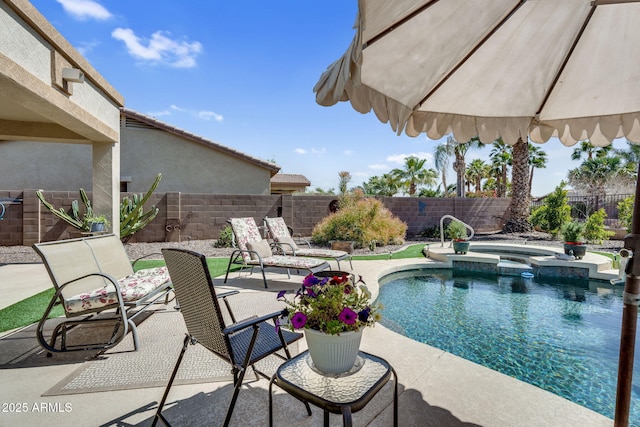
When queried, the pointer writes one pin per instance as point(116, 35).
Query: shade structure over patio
point(515, 69)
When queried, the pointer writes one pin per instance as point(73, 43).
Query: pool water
point(561, 336)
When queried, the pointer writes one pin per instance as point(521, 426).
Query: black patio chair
point(241, 343)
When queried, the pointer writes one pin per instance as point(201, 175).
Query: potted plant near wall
point(333, 312)
point(96, 223)
point(457, 232)
point(573, 235)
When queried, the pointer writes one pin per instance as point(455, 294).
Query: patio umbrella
point(515, 69)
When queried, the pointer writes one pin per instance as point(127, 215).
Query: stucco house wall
point(188, 166)
point(188, 163)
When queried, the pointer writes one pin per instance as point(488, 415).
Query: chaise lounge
point(281, 233)
point(254, 251)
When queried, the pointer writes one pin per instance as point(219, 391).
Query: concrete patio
point(436, 388)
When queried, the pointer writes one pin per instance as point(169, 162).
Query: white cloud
point(399, 158)
point(86, 47)
point(318, 151)
point(301, 151)
point(208, 115)
point(202, 114)
point(378, 167)
point(160, 113)
point(159, 49)
point(85, 9)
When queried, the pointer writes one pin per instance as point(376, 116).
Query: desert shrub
point(594, 230)
point(225, 240)
point(625, 212)
point(361, 220)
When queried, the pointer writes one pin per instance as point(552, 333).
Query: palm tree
point(520, 188)
point(631, 156)
point(593, 175)
point(537, 160)
point(415, 174)
point(587, 148)
point(500, 161)
point(460, 150)
point(476, 172)
point(385, 185)
point(441, 156)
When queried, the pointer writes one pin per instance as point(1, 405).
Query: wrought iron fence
point(583, 206)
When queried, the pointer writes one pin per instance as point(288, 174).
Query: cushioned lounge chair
point(254, 251)
point(281, 233)
point(241, 343)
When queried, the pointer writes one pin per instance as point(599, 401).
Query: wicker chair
point(283, 234)
point(241, 343)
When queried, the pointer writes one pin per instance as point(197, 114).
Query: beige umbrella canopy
point(542, 68)
point(514, 69)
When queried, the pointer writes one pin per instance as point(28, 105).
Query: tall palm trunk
point(520, 192)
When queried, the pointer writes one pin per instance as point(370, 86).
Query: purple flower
point(348, 316)
point(309, 281)
point(363, 316)
point(281, 294)
point(299, 320)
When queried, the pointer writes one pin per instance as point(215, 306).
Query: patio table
point(335, 393)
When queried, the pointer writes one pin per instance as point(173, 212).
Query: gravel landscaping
point(25, 254)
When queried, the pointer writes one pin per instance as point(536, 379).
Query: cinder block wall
point(203, 216)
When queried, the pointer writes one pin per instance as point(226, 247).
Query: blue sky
point(241, 73)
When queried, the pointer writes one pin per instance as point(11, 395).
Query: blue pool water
point(561, 336)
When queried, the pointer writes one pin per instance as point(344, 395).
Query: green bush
point(625, 212)
point(572, 231)
point(594, 230)
point(456, 231)
point(432, 232)
point(555, 212)
point(360, 220)
point(225, 240)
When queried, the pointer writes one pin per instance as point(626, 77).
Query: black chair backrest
point(197, 299)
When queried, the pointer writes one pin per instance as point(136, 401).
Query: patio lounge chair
point(253, 251)
point(91, 276)
point(241, 343)
point(281, 233)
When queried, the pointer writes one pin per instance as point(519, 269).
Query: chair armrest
point(301, 240)
point(133, 264)
point(280, 245)
point(247, 323)
point(226, 294)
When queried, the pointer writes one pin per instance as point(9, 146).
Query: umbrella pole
point(631, 297)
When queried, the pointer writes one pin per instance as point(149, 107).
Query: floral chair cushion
point(133, 287)
point(277, 227)
point(288, 261)
point(245, 230)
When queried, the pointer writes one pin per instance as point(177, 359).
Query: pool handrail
point(452, 218)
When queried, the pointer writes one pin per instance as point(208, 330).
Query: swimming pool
point(561, 336)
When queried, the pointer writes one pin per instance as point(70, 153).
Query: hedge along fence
point(191, 216)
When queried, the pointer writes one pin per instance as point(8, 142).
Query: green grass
point(27, 311)
point(30, 310)
point(413, 251)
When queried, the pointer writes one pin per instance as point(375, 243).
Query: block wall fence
point(185, 216)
